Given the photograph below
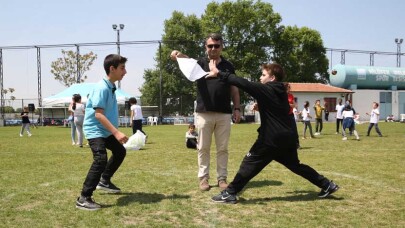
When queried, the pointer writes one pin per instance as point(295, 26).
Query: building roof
point(316, 87)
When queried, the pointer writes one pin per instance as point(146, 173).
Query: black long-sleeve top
point(276, 129)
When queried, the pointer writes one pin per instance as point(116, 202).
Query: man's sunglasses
point(210, 46)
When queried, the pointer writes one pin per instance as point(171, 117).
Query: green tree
point(8, 109)
point(301, 52)
point(65, 68)
point(178, 94)
point(253, 36)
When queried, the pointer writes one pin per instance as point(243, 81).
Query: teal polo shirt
point(102, 97)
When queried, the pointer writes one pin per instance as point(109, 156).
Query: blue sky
point(347, 24)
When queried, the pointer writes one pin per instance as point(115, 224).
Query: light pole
point(118, 28)
point(398, 42)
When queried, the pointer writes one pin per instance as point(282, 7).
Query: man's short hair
point(215, 36)
point(113, 60)
point(275, 69)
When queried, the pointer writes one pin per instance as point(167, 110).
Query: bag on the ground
point(136, 141)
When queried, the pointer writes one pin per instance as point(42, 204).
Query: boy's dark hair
point(132, 100)
point(113, 60)
point(215, 36)
point(306, 104)
point(191, 126)
point(376, 104)
point(276, 70)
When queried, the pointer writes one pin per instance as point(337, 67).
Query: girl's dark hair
point(306, 104)
point(76, 98)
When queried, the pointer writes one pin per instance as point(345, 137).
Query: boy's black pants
point(260, 155)
point(102, 166)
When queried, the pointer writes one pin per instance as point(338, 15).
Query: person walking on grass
point(348, 122)
point(25, 122)
point(100, 128)
point(276, 139)
point(306, 118)
point(339, 119)
point(318, 117)
point(78, 110)
point(374, 117)
point(136, 116)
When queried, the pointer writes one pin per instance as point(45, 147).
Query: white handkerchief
point(191, 69)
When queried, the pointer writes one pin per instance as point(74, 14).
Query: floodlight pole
point(398, 42)
point(1, 87)
point(118, 28)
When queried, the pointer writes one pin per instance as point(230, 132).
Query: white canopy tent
point(64, 98)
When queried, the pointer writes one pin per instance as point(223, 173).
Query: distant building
point(318, 91)
point(385, 85)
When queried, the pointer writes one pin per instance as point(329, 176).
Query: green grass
point(41, 177)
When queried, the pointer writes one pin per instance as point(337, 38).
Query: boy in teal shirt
point(100, 128)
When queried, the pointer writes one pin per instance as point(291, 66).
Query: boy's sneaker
point(225, 197)
point(21, 135)
point(87, 203)
point(344, 138)
point(332, 187)
point(108, 186)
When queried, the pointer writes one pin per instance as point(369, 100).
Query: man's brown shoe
point(222, 184)
point(204, 186)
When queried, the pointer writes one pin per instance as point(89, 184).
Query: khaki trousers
point(219, 124)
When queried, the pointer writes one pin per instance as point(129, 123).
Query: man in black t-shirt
point(213, 112)
point(25, 122)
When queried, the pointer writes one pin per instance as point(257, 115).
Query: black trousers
point(191, 143)
point(102, 166)
point(137, 125)
point(319, 125)
point(261, 155)
point(338, 121)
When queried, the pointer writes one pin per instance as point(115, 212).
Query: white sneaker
point(21, 135)
point(317, 133)
point(344, 138)
point(29, 135)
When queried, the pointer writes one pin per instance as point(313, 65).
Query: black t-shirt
point(213, 94)
point(25, 119)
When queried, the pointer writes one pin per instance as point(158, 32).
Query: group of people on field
point(346, 118)
point(277, 134)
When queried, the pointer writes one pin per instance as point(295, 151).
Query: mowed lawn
point(41, 177)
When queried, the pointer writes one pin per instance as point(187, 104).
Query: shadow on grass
point(145, 198)
point(304, 148)
point(263, 183)
point(298, 196)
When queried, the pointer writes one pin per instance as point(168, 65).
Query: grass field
point(42, 175)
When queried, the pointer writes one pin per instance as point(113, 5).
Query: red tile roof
point(316, 87)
